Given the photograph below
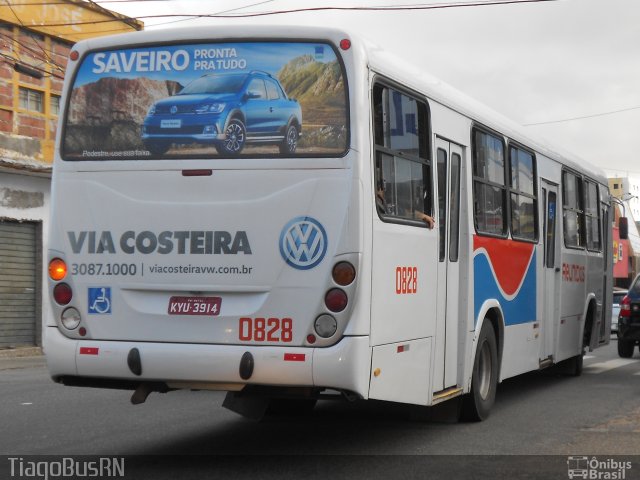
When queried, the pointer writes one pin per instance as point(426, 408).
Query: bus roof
point(379, 60)
point(435, 89)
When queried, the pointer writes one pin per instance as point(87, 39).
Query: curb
point(21, 352)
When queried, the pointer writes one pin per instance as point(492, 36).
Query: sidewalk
point(20, 352)
point(22, 357)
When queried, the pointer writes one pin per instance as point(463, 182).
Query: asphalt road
point(535, 414)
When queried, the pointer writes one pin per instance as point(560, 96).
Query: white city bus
point(239, 209)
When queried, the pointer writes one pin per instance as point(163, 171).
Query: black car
point(629, 320)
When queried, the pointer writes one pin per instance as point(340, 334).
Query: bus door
point(607, 281)
point(551, 291)
point(404, 251)
point(448, 165)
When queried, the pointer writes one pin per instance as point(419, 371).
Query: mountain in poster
point(319, 87)
point(108, 114)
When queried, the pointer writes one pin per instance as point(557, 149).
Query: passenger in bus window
point(381, 207)
point(380, 202)
point(428, 219)
point(420, 199)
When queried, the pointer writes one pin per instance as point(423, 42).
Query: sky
point(536, 63)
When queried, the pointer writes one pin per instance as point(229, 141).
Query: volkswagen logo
point(303, 243)
point(174, 109)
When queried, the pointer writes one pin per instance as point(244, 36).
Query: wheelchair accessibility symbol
point(100, 300)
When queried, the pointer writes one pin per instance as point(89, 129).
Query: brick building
point(626, 256)
point(35, 40)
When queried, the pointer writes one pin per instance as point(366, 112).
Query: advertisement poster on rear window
point(208, 100)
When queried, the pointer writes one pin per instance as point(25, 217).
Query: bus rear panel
point(206, 215)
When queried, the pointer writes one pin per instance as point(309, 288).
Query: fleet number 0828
point(406, 280)
point(265, 329)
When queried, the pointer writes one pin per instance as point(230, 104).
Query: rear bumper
point(184, 138)
point(344, 366)
point(628, 331)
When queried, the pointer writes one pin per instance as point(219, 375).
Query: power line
point(582, 117)
point(217, 13)
point(317, 9)
point(48, 60)
point(109, 13)
point(116, 16)
point(172, 21)
point(23, 26)
point(31, 50)
point(12, 61)
point(62, 2)
point(221, 14)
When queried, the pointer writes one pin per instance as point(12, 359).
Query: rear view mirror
point(623, 227)
point(251, 94)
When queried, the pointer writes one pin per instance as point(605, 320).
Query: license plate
point(195, 306)
point(170, 123)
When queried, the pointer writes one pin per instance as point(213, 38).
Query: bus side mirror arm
point(623, 222)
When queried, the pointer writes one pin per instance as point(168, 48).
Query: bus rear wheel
point(476, 405)
point(572, 366)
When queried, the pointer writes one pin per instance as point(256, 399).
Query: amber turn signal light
point(57, 269)
point(343, 273)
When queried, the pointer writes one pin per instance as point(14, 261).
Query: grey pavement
point(12, 363)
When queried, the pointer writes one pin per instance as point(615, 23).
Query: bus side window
point(489, 186)
point(592, 217)
point(454, 208)
point(572, 210)
point(402, 163)
point(522, 186)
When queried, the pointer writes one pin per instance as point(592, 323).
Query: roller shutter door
point(17, 284)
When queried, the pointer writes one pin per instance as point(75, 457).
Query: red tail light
point(345, 44)
point(336, 300)
point(625, 307)
point(62, 294)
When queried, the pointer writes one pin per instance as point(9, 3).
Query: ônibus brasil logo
point(303, 243)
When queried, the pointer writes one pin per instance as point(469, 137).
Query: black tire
point(574, 365)
point(236, 134)
point(476, 405)
point(290, 142)
point(158, 148)
point(625, 348)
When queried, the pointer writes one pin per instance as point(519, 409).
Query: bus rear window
point(220, 100)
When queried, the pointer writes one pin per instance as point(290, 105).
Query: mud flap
point(249, 406)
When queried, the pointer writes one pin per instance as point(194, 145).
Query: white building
point(627, 188)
